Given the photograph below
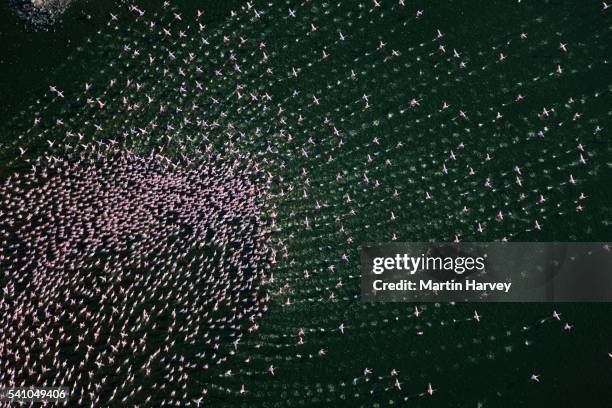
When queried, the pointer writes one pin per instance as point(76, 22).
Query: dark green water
point(29, 59)
point(470, 365)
